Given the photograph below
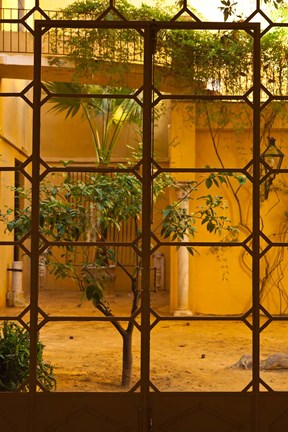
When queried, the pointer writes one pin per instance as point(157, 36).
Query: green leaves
point(95, 293)
point(179, 223)
point(276, 3)
point(10, 226)
point(209, 182)
point(217, 179)
point(70, 105)
point(241, 178)
point(15, 359)
point(181, 50)
point(228, 8)
point(73, 210)
point(208, 214)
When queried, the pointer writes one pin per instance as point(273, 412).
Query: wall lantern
point(273, 157)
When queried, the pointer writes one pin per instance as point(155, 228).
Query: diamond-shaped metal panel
point(82, 420)
point(200, 419)
point(280, 424)
point(6, 424)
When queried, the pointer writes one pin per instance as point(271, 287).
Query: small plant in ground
point(15, 357)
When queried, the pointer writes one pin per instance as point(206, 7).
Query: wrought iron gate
point(147, 405)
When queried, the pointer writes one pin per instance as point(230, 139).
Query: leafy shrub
point(14, 360)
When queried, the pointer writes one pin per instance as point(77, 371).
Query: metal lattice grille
point(182, 100)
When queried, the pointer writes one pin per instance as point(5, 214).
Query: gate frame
point(147, 409)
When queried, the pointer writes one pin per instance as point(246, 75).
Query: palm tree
point(105, 113)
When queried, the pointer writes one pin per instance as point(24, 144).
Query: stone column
point(18, 299)
point(183, 267)
point(42, 271)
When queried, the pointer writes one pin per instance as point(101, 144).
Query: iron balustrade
point(127, 47)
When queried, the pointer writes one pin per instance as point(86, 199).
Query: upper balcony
point(17, 37)
point(17, 47)
point(207, 64)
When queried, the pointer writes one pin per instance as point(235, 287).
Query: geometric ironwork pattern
point(200, 419)
point(82, 420)
point(280, 424)
point(7, 425)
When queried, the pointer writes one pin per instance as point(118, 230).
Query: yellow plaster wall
point(15, 133)
point(53, 4)
point(182, 138)
point(64, 139)
point(16, 115)
point(44, 4)
point(222, 282)
point(8, 155)
point(221, 278)
point(6, 199)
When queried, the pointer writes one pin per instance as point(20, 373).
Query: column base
point(183, 312)
point(18, 300)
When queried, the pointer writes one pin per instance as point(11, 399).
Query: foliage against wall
point(209, 57)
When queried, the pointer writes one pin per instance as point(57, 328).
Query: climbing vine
point(180, 51)
point(217, 118)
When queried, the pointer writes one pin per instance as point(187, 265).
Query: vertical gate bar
point(256, 228)
point(35, 224)
point(146, 226)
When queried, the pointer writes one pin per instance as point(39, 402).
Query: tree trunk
point(127, 358)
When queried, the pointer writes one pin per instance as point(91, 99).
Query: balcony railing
point(16, 36)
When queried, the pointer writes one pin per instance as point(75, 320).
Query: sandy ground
point(185, 356)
